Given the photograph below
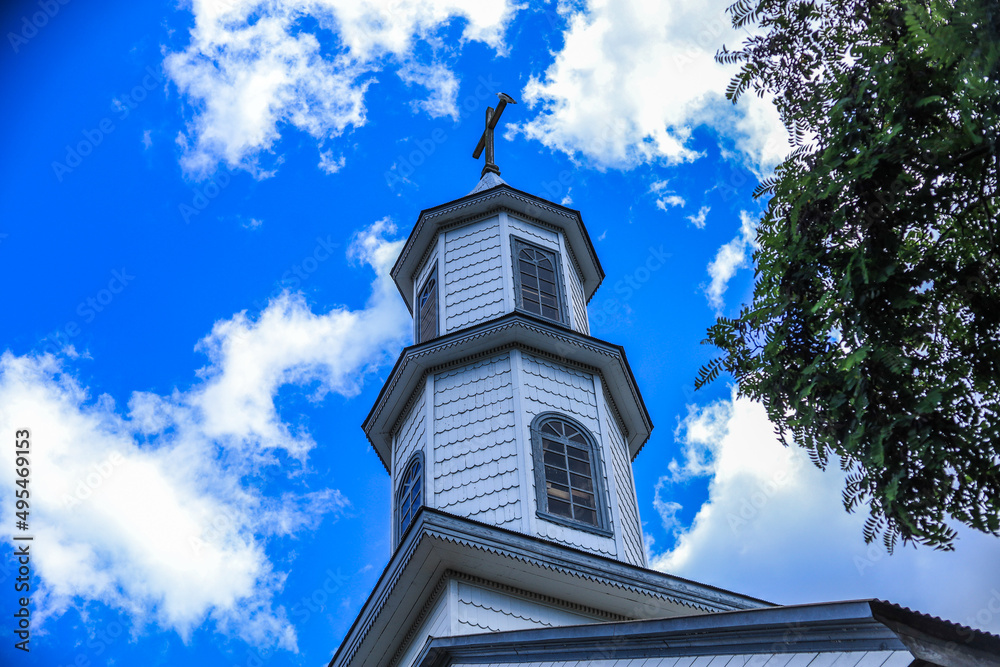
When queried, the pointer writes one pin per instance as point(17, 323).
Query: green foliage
point(874, 332)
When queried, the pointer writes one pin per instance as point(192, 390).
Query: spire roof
point(489, 181)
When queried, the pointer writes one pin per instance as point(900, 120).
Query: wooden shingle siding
point(486, 610)
point(533, 233)
point(411, 437)
point(625, 483)
point(473, 282)
point(551, 387)
point(476, 454)
point(830, 659)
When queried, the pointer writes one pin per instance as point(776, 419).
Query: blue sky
point(200, 203)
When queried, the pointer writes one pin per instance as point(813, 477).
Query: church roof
point(862, 633)
point(437, 544)
point(488, 181)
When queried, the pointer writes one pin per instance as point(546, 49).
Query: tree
point(873, 335)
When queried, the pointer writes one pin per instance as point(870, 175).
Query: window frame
point(416, 459)
point(517, 244)
point(602, 506)
point(431, 274)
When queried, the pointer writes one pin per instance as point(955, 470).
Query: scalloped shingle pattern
point(486, 610)
point(533, 233)
point(411, 437)
point(475, 462)
point(473, 285)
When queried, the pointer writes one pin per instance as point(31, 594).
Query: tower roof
point(491, 195)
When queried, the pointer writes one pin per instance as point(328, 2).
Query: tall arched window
point(568, 477)
point(536, 280)
point(410, 493)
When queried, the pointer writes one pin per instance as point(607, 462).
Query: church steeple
point(508, 432)
point(505, 410)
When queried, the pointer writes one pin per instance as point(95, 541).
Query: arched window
point(568, 478)
point(410, 493)
point(536, 280)
point(427, 315)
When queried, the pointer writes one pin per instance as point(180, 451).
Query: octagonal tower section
point(505, 410)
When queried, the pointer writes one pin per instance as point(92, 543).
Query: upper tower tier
point(496, 251)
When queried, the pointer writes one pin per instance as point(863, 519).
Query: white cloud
point(698, 219)
point(330, 164)
point(665, 198)
point(729, 259)
point(442, 84)
point(149, 510)
point(774, 526)
point(251, 70)
point(635, 77)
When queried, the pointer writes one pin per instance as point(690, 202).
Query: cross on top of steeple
point(486, 141)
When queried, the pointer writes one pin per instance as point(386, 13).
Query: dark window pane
point(552, 445)
point(581, 482)
point(583, 499)
point(586, 516)
point(579, 467)
point(550, 313)
point(549, 427)
point(556, 475)
point(546, 274)
point(578, 453)
point(560, 508)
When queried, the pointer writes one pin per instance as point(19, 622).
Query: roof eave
point(513, 329)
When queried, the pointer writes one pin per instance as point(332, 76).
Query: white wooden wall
point(476, 467)
point(480, 609)
point(473, 277)
point(547, 386)
point(476, 439)
point(465, 608)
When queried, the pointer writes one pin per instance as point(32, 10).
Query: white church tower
point(509, 432)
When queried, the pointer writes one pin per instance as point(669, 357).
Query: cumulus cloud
point(635, 77)
point(729, 259)
point(251, 70)
point(150, 509)
point(774, 526)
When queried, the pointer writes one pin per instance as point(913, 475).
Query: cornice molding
point(561, 344)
